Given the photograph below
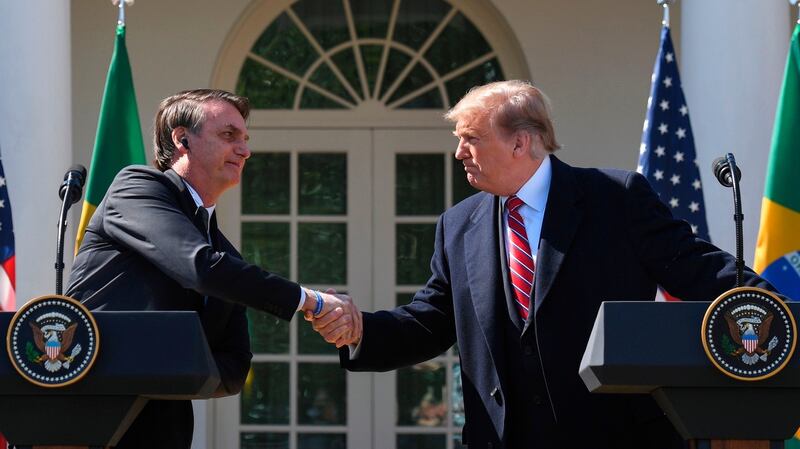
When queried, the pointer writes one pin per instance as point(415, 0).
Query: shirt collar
point(197, 200)
point(534, 191)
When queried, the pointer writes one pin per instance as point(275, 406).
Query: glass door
point(305, 214)
point(416, 179)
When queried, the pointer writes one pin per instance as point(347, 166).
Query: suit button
point(498, 397)
point(537, 400)
point(527, 349)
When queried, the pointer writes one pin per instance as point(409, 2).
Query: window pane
point(325, 20)
point(419, 184)
point(283, 44)
point(311, 342)
point(324, 77)
point(371, 55)
point(457, 442)
point(345, 61)
point(265, 184)
point(265, 88)
point(322, 253)
point(323, 184)
point(459, 44)
point(322, 395)
point(417, 19)
point(484, 73)
point(420, 395)
point(458, 395)
point(414, 247)
point(321, 441)
point(265, 395)
point(268, 334)
point(431, 99)
point(267, 245)
point(371, 18)
point(416, 78)
point(404, 298)
point(421, 442)
point(253, 440)
point(461, 187)
point(395, 64)
point(314, 100)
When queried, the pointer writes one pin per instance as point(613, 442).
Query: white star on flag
point(2, 181)
point(684, 110)
point(664, 105)
point(681, 133)
point(2, 203)
point(694, 206)
point(667, 82)
point(675, 179)
point(678, 156)
point(696, 184)
point(659, 175)
point(663, 128)
point(669, 57)
point(694, 229)
point(673, 202)
point(660, 151)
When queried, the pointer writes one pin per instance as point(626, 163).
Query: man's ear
point(523, 142)
point(180, 139)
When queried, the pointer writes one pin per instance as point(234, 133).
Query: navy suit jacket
point(145, 248)
point(605, 236)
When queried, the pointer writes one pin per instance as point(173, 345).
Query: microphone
point(722, 167)
point(73, 184)
point(722, 171)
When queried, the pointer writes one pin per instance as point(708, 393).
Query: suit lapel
point(562, 217)
point(483, 271)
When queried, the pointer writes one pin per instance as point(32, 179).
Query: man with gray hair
point(517, 277)
point(153, 244)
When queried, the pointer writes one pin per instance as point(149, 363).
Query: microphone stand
point(738, 218)
point(62, 228)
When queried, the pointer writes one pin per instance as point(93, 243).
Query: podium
point(143, 356)
point(656, 348)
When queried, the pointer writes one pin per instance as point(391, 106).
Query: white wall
point(35, 132)
point(734, 55)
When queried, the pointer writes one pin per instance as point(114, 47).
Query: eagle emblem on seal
point(53, 334)
point(749, 326)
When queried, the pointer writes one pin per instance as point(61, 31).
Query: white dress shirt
point(534, 196)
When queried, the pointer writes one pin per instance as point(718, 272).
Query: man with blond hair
point(518, 274)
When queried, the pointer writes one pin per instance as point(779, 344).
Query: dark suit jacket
point(145, 248)
point(605, 236)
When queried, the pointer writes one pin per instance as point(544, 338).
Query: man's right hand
point(339, 322)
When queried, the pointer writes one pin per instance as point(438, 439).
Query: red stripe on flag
point(10, 265)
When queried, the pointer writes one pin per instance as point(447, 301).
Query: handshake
point(333, 316)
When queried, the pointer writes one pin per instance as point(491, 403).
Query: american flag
point(666, 155)
point(7, 281)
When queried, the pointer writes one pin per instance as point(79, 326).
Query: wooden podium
point(655, 347)
point(143, 355)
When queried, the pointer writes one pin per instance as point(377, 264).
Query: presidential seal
point(749, 333)
point(52, 341)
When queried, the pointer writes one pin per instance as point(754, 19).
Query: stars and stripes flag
point(7, 275)
point(667, 157)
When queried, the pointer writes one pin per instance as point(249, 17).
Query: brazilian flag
point(119, 133)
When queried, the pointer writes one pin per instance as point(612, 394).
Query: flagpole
point(795, 3)
point(665, 4)
point(121, 5)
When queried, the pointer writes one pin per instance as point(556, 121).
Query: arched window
point(368, 56)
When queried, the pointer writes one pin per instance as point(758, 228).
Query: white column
point(35, 131)
point(732, 61)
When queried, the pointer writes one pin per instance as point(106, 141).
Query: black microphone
point(73, 184)
point(722, 171)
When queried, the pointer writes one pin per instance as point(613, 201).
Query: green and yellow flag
point(778, 248)
point(119, 133)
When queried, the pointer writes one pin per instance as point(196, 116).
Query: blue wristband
point(320, 303)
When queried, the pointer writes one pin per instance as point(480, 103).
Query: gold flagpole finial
point(121, 4)
point(665, 4)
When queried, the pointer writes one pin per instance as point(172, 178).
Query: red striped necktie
point(520, 263)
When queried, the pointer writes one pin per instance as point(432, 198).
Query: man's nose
point(461, 152)
point(243, 150)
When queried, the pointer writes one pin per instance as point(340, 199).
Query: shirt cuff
point(302, 299)
point(355, 349)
